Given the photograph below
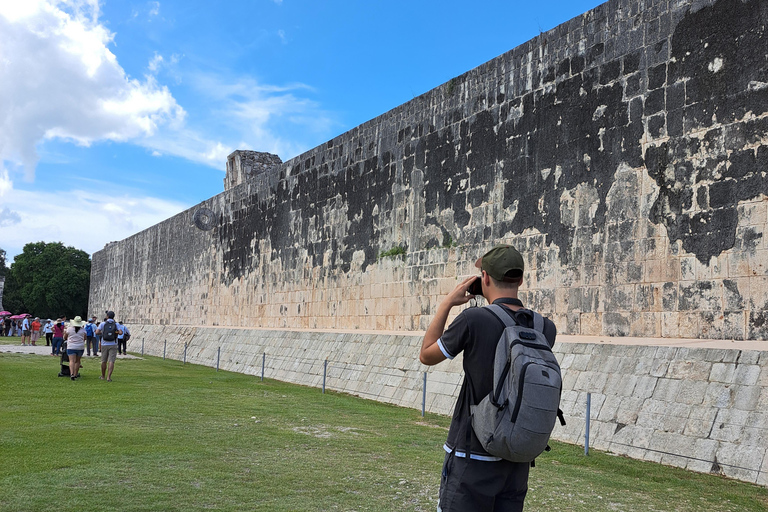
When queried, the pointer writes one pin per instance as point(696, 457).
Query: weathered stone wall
point(624, 152)
point(2, 285)
point(700, 409)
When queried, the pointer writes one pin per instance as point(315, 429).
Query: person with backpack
point(90, 338)
point(473, 478)
point(109, 330)
point(122, 339)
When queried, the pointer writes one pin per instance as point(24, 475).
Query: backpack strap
point(502, 314)
point(538, 322)
point(510, 320)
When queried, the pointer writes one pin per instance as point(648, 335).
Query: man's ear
point(486, 278)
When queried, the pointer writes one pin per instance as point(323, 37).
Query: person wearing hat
point(477, 480)
point(75, 338)
point(58, 337)
point(48, 331)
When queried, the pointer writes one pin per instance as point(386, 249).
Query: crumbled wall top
point(243, 165)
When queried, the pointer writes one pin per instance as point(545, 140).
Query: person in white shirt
point(48, 330)
point(26, 331)
point(75, 338)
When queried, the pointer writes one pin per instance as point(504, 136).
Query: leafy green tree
point(49, 280)
point(3, 268)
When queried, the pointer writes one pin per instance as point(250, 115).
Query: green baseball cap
point(503, 263)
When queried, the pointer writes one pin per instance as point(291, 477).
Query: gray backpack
point(514, 421)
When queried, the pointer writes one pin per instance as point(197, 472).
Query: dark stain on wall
point(716, 75)
point(583, 117)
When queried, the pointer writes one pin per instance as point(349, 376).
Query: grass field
point(164, 437)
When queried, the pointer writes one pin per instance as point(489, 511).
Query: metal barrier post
point(325, 372)
point(424, 396)
point(142, 347)
point(185, 353)
point(218, 358)
point(263, 362)
point(165, 343)
point(586, 430)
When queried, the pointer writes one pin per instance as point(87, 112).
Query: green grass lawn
point(164, 436)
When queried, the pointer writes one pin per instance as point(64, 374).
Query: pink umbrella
point(5, 313)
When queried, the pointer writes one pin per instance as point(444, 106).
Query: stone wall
point(244, 165)
point(700, 409)
point(2, 285)
point(623, 152)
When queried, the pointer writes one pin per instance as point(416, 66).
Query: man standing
point(26, 331)
point(477, 480)
point(97, 337)
point(35, 331)
point(122, 339)
point(109, 330)
point(48, 331)
point(90, 338)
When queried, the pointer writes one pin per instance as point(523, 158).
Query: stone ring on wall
point(204, 218)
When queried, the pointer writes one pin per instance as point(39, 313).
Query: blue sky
point(117, 115)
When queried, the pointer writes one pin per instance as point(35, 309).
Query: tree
point(49, 280)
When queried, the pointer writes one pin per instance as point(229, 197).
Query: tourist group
point(72, 337)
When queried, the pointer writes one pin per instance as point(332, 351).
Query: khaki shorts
point(108, 353)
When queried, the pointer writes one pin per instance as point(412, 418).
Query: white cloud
point(58, 79)
point(154, 8)
point(253, 110)
point(5, 182)
point(9, 217)
point(155, 63)
point(81, 218)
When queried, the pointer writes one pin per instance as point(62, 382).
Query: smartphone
point(476, 288)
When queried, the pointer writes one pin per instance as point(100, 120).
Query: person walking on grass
point(75, 338)
point(108, 330)
point(476, 480)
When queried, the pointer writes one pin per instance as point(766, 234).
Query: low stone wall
point(700, 409)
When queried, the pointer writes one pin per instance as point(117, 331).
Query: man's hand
point(458, 295)
point(430, 351)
